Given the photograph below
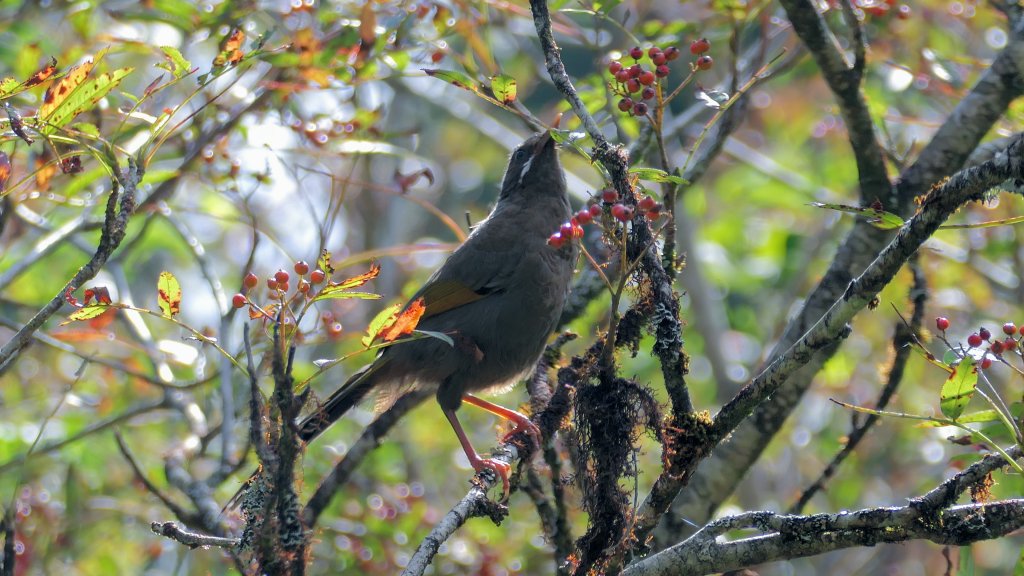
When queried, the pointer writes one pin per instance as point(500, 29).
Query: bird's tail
point(340, 401)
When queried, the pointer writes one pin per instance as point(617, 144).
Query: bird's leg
point(500, 469)
point(522, 423)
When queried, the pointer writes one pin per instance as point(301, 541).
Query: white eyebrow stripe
point(526, 168)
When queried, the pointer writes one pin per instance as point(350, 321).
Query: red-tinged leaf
point(504, 88)
point(168, 294)
point(404, 323)
point(43, 74)
point(103, 320)
point(69, 297)
point(5, 170)
point(357, 281)
point(102, 294)
point(86, 313)
point(324, 263)
point(59, 91)
point(88, 295)
point(382, 319)
point(153, 85)
point(405, 181)
point(959, 388)
point(230, 49)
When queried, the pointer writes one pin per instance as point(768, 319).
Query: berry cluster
point(573, 229)
point(629, 80)
point(279, 283)
point(996, 347)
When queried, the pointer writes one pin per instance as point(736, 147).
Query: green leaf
point(168, 294)
point(81, 98)
point(570, 139)
point(8, 85)
point(878, 218)
point(378, 322)
point(176, 63)
point(504, 88)
point(86, 313)
point(324, 263)
point(958, 388)
point(338, 292)
point(655, 175)
point(950, 357)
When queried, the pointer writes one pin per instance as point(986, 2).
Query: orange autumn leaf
point(5, 171)
point(61, 89)
point(231, 49)
point(43, 74)
point(356, 281)
point(404, 323)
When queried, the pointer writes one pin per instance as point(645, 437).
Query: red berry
point(334, 329)
point(986, 362)
point(622, 213)
point(1009, 328)
point(996, 348)
point(303, 286)
point(283, 286)
point(577, 232)
point(566, 230)
point(437, 57)
point(653, 51)
point(614, 67)
point(626, 104)
point(636, 52)
point(635, 71)
point(584, 217)
point(595, 211)
point(317, 276)
point(621, 76)
point(903, 12)
point(281, 276)
point(659, 59)
point(301, 268)
point(653, 215)
point(271, 283)
point(984, 333)
point(1009, 344)
point(671, 53)
point(701, 46)
point(704, 62)
point(646, 203)
point(556, 240)
point(250, 280)
point(609, 195)
point(942, 323)
point(974, 340)
point(633, 85)
point(647, 78)
point(647, 93)
point(662, 71)
point(238, 300)
point(639, 109)
point(877, 9)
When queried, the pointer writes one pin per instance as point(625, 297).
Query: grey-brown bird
point(498, 297)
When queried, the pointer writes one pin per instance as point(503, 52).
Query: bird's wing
point(468, 275)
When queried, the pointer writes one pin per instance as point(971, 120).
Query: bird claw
point(500, 469)
point(524, 424)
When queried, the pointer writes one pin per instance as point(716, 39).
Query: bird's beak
point(545, 140)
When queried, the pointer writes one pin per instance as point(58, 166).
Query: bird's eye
point(519, 155)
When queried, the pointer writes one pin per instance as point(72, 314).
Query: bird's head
point(533, 168)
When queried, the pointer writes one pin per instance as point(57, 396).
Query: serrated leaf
point(655, 175)
point(337, 293)
point(86, 313)
point(357, 281)
point(168, 294)
point(404, 323)
point(324, 262)
point(77, 96)
point(176, 63)
point(504, 88)
point(379, 321)
point(878, 218)
point(958, 388)
point(7, 86)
